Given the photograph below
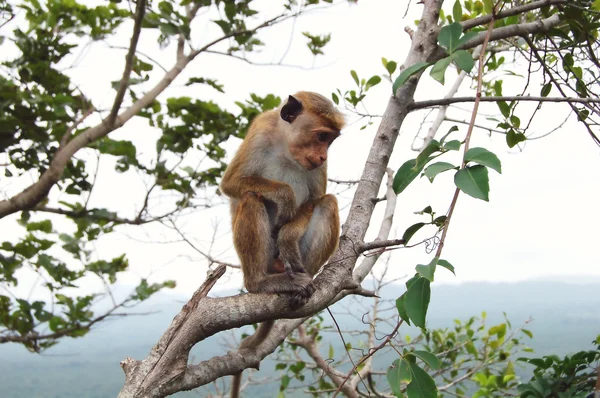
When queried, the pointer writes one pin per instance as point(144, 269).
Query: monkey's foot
point(305, 291)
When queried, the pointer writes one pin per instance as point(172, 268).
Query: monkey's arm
point(279, 193)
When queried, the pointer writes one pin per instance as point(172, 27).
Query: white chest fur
point(297, 178)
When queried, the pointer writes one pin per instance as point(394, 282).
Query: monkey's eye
point(322, 137)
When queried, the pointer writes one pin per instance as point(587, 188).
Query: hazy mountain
point(566, 318)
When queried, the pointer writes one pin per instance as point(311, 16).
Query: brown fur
point(285, 226)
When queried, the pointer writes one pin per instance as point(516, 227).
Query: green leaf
point(417, 301)
point(422, 385)
point(546, 89)
point(499, 330)
point(438, 71)
point(447, 265)
point(515, 121)
point(427, 271)
point(335, 98)
point(398, 373)
point(401, 306)
point(449, 35)
point(473, 181)
point(436, 168)
point(410, 231)
point(44, 226)
point(450, 131)
point(504, 108)
point(391, 67)
point(373, 81)
point(224, 25)
point(407, 73)
point(464, 60)
point(440, 221)
point(528, 333)
point(355, 77)
point(453, 145)
point(457, 11)
point(285, 381)
point(426, 210)
point(424, 156)
point(430, 359)
point(484, 157)
point(513, 138)
point(405, 175)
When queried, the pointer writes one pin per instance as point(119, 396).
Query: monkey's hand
point(289, 250)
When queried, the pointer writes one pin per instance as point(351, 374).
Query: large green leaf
point(422, 385)
point(449, 36)
point(410, 231)
point(464, 60)
point(406, 74)
point(401, 306)
point(405, 175)
point(438, 71)
point(452, 145)
point(430, 359)
point(416, 301)
point(473, 181)
point(513, 138)
point(484, 157)
point(427, 270)
point(447, 265)
point(436, 168)
point(398, 374)
point(457, 11)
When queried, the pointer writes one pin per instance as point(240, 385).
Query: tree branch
point(471, 23)
point(448, 101)
point(505, 32)
point(140, 10)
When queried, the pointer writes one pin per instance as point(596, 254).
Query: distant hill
point(566, 318)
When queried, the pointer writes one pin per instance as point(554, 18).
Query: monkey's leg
point(252, 238)
point(255, 247)
point(322, 234)
point(309, 239)
point(306, 242)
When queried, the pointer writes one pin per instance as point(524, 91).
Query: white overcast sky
point(541, 220)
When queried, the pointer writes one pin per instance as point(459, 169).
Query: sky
point(540, 221)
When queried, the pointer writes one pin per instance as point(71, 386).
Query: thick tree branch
point(448, 101)
point(505, 32)
point(471, 23)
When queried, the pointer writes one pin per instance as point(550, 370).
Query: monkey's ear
point(291, 109)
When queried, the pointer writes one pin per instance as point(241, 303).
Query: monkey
point(285, 226)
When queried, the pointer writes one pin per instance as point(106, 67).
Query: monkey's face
point(311, 143)
point(312, 124)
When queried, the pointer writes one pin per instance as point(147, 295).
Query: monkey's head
point(313, 124)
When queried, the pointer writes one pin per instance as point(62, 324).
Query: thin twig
point(478, 98)
point(372, 351)
point(454, 100)
point(140, 10)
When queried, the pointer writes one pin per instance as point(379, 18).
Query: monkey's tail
point(253, 341)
